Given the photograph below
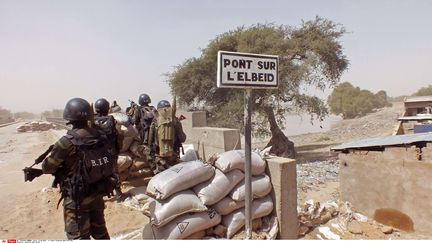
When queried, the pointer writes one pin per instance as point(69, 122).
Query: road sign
point(247, 70)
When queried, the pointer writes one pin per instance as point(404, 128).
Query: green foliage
point(350, 101)
point(425, 91)
point(309, 56)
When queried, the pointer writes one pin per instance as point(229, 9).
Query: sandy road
point(28, 209)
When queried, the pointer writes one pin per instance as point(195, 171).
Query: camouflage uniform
point(144, 132)
point(161, 163)
point(84, 218)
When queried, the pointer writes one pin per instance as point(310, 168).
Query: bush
point(425, 91)
point(350, 101)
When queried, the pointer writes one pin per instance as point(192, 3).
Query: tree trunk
point(281, 145)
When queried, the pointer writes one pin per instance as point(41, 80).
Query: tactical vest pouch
point(165, 132)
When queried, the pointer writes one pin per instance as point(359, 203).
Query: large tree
point(310, 55)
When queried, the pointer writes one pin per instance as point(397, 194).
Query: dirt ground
point(28, 209)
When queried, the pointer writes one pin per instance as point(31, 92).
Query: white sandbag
point(121, 118)
point(178, 178)
point(163, 211)
point(227, 205)
point(183, 226)
point(236, 220)
point(189, 153)
point(138, 193)
point(124, 161)
point(129, 134)
point(261, 186)
point(212, 191)
point(235, 159)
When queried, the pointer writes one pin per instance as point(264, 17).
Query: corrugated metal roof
point(386, 141)
point(418, 99)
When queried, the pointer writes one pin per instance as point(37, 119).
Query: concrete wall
point(397, 178)
point(283, 175)
point(208, 140)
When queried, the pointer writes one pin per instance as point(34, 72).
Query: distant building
point(417, 105)
point(417, 117)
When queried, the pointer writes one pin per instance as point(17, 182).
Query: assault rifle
point(29, 172)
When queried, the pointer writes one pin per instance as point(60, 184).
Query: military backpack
point(94, 172)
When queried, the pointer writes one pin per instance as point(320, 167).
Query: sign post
point(247, 71)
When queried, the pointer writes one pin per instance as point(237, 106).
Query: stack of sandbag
point(217, 190)
point(132, 162)
point(176, 212)
point(35, 126)
point(231, 207)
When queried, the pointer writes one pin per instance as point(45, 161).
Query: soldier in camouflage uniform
point(143, 118)
point(83, 213)
point(107, 124)
point(166, 138)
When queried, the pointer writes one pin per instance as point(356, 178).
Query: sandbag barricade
point(215, 188)
point(132, 162)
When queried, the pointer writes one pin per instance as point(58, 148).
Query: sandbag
point(236, 220)
point(183, 226)
point(178, 178)
point(261, 186)
point(227, 205)
point(121, 118)
point(212, 191)
point(235, 159)
point(163, 211)
point(124, 162)
point(189, 153)
point(138, 193)
point(129, 134)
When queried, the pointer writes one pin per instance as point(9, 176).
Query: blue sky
point(53, 50)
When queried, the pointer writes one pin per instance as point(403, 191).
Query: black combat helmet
point(163, 104)
point(77, 109)
point(144, 99)
point(102, 106)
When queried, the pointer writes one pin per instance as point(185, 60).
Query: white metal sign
point(247, 70)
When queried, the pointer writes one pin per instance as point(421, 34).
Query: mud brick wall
point(397, 178)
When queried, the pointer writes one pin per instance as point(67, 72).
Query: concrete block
point(210, 140)
point(193, 118)
point(283, 174)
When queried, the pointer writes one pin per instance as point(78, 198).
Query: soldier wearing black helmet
point(83, 165)
point(143, 118)
point(107, 124)
point(166, 137)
